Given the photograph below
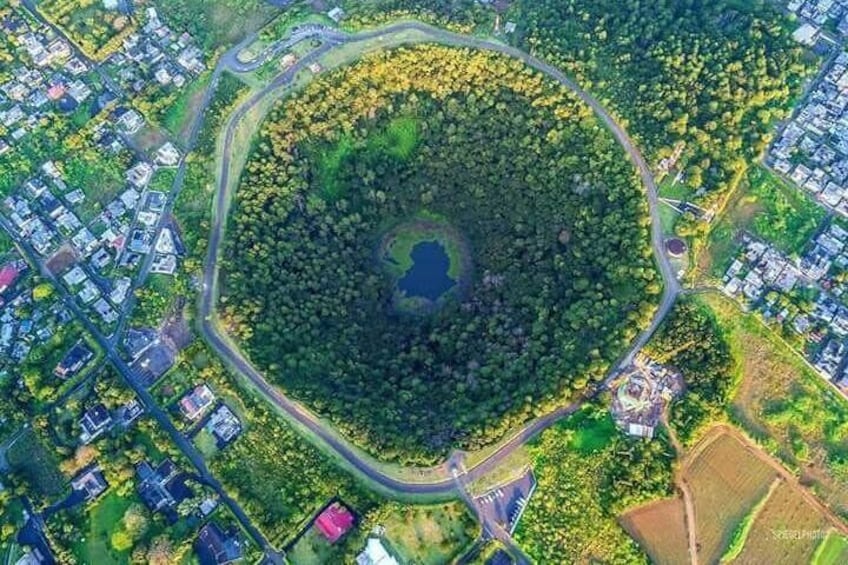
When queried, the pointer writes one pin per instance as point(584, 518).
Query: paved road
point(365, 465)
point(144, 396)
point(32, 7)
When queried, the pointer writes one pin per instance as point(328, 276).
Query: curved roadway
point(364, 464)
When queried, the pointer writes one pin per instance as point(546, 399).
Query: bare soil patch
point(660, 529)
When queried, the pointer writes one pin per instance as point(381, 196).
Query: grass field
point(660, 529)
point(785, 405)
point(833, 550)
point(767, 207)
point(177, 118)
point(429, 535)
point(312, 547)
point(726, 482)
point(772, 539)
point(104, 518)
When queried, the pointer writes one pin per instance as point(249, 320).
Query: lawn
point(429, 535)
point(311, 548)
point(592, 434)
point(95, 545)
point(206, 444)
point(833, 550)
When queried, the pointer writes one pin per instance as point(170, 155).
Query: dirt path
point(685, 491)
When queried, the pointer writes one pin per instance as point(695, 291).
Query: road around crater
point(373, 471)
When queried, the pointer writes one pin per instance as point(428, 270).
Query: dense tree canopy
point(549, 205)
point(691, 340)
point(712, 75)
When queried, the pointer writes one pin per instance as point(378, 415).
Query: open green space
point(312, 547)
point(37, 466)
point(588, 474)
point(104, 519)
point(217, 24)
point(177, 117)
point(429, 534)
point(832, 550)
point(547, 261)
point(784, 404)
point(768, 208)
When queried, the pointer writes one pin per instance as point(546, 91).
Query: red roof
point(8, 274)
point(56, 91)
point(334, 522)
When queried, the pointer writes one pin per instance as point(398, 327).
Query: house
point(807, 34)
point(167, 155)
point(73, 361)
point(95, 421)
point(334, 522)
point(90, 482)
point(140, 174)
point(375, 554)
point(193, 404)
point(215, 547)
point(223, 425)
point(129, 121)
point(164, 264)
point(336, 14)
point(163, 488)
point(8, 275)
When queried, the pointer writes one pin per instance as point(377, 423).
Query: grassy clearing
point(177, 118)
point(660, 529)
point(833, 550)
point(101, 178)
point(95, 544)
point(429, 535)
point(312, 547)
point(400, 138)
point(767, 207)
point(592, 434)
point(785, 405)
point(220, 23)
point(330, 165)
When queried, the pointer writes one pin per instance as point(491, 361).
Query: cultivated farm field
point(782, 403)
point(660, 529)
point(726, 481)
point(784, 531)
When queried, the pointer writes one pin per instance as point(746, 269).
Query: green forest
point(691, 340)
point(711, 75)
point(550, 207)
